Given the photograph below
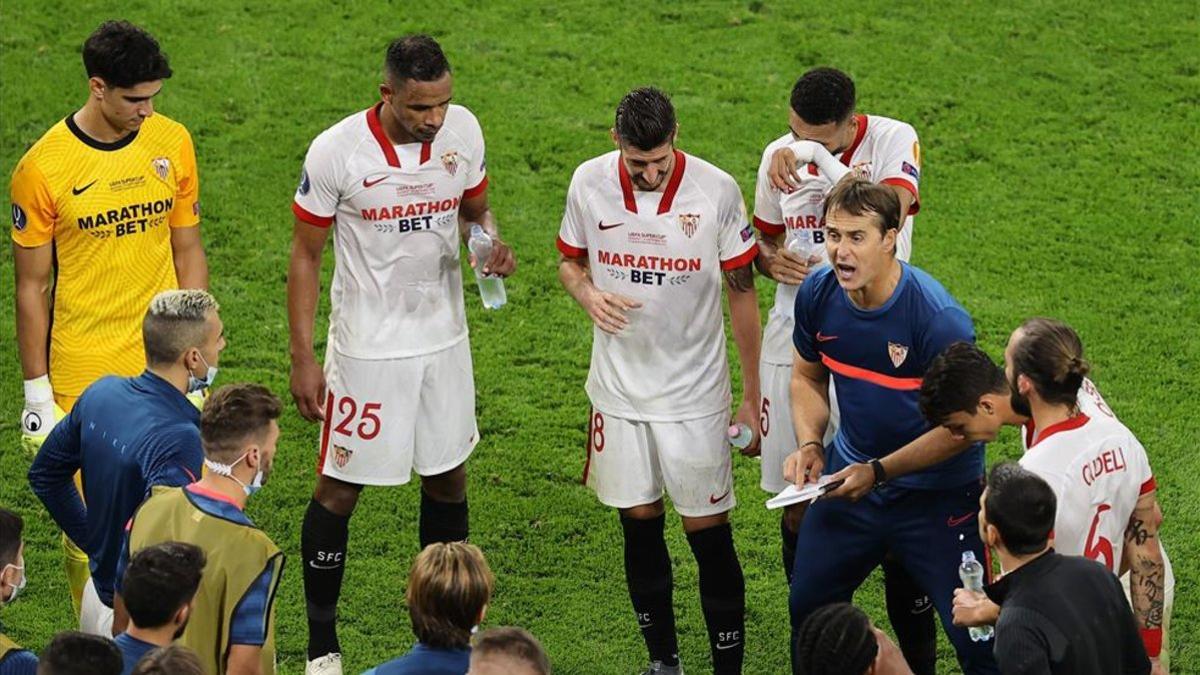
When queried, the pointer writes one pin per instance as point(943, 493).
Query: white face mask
point(196, 384)
point(16, 590)
point(227, 471)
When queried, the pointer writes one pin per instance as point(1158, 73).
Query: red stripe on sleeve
point(569, 250)
point(1148, 487)
point(767, 227)
point(311, 218)
point(900, 182)
point(477, 190)
point(741, 260)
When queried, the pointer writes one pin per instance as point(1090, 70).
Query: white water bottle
point(491, 286)
point(740, 436)
point(971, 573)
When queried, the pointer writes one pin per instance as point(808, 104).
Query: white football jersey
point(1098, 470)
point(884, 151)
point(397, 281)
point(667, 250)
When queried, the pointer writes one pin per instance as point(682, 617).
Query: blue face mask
point(227, 471)
point(196, 384)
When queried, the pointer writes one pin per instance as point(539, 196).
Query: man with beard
point(1108, 507)
point(159, 590)
point(232, 627)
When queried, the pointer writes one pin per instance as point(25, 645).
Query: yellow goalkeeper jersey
point(108, 209)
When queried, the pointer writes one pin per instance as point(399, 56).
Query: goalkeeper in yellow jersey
point(105, 214)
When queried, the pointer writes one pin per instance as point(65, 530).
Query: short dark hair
point(448, 587)
point(859, 197)
point(514, 643)
point(645, 118)
point(124, 55)
point(234, 413)
point(957, 379)
point(174, 659)
point(159, 580)
point(1021, 506)
point(1051, 354)
point(823, 95)
point(415, 57)
point(834, 640)
point(11, 528)
point(74, 653)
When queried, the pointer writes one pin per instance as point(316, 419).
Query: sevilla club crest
point(450, 162)
point(898, 353)
point(689, 223)
point(162, 167)
point(341, 456)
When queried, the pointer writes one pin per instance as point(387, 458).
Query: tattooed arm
point(1147, 571)
point(747, 334)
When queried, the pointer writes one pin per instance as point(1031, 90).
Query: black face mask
point(1019, 403)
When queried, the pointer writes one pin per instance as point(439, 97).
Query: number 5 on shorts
point(369, 423)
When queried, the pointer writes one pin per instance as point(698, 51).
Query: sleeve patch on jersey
point(747, 233)
point(910, 170)
point(305, 183)
point(20, 220)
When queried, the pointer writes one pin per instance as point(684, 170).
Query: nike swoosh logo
point(736, 644)
point(315, 566)
point(610, 226)
point(716, 500)
point(367, 182)
point(80, 190)
point(825, 338)
point(955, 522)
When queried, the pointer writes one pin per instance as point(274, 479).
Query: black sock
point(648, 575)
point(789, 547)
point(912, 616)
point(442, 521)
point(323, 549)
point(722, 596)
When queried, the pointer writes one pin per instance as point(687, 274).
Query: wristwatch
point(880, 474)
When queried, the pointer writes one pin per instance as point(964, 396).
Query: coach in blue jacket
point(127, 434)
point(874, 324)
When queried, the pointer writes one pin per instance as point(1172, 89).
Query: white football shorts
point(386, 418)
point(630, 462)
point(775, 419)
point(95, 617)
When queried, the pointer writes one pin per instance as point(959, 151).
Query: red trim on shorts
point(587, 464)
point(907, 185)
point(1148, 487)
point(477, 190)
point(668, 198)
point(385, 144)
point(854, 372)
point(1066, 425)
point(740, 260)
point(325, 427)
point(767, 227)
point(569, 250)
point(311, 218)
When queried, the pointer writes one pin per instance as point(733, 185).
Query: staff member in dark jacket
point(1058, 614)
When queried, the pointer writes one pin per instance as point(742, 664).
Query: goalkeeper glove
point(40, 413)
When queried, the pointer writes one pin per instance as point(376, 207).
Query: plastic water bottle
point(491, 286)
point(740, 436)
point(971, 573)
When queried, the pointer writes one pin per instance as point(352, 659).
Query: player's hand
point(857, 480)
point(787, 267)
point(39, 415)
point(308, 389)
point(804, 465)
point(502, 262)
point(784, 171)
point(889, 660)
point(1156, 666)
point(748, 414)
point(973, 608)
point(608, 310)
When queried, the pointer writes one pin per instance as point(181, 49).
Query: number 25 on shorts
point(347, 412)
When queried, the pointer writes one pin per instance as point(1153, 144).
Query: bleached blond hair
point(175, 323)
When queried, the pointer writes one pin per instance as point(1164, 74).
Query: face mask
point(16, 590)
point(227, 471)
point(196, 384)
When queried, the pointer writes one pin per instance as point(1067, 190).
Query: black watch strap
point(880, 474)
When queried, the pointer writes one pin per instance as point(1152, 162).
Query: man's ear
point(96, 87)
point(615, 138)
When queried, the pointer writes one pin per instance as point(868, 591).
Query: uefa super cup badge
point(689, 222)
point(162, 167)
point(450, 162)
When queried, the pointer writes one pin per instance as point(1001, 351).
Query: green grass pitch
point(1060, 179)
